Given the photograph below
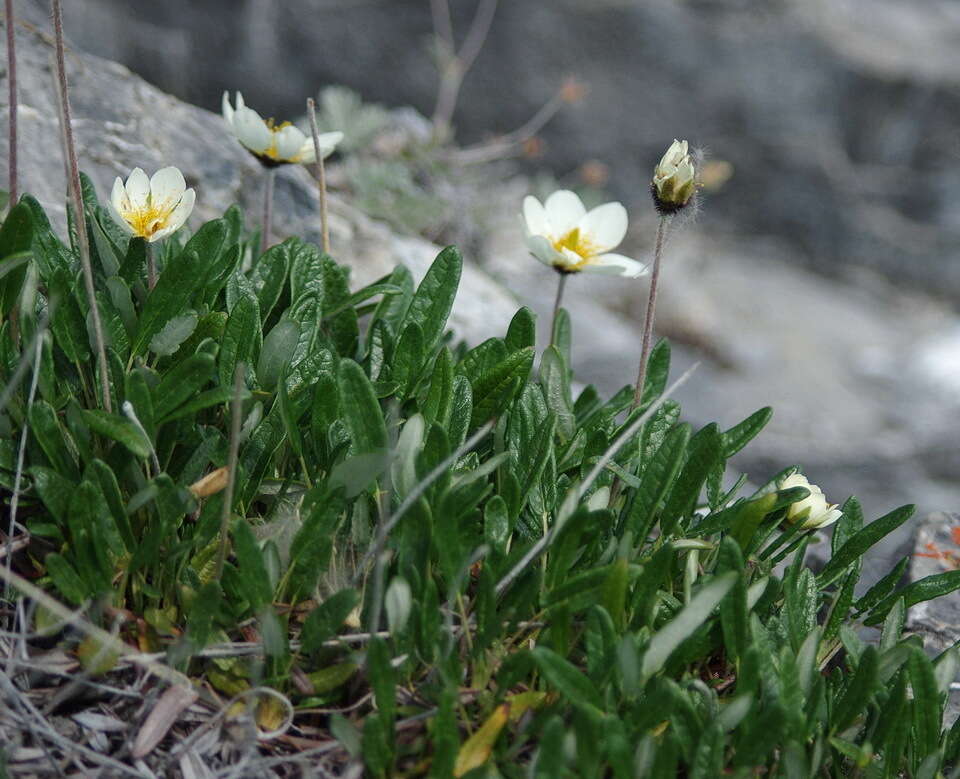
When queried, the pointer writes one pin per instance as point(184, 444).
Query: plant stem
point(321, 174)
point(21, 452)
point(12, 103)
point(561, 283)
point(235, 418)
point(151, 267)
point(651, 308)
point(77, 198)
point(267, 210)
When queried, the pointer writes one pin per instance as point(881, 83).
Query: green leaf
point(66, 579)
point(382, 679)
point(16, 237)
point(704, 448)
point(361, 411)
point(665, 641)
point(494, 388)
point(241, 339)
point(433, 300)
point(407, 359)
point(253, 571)
point(566, 677)
point(926, 703)
point(658, 369)
point(46, 429)
point(859, 691)
point(278, 350)
point(743, 433)
point(861, 541)
point(183, 381)
point(555, 380)
point(522, 331)
point(174, 333)
point(212, 397)
point(658, 478)
point(325, 620)
point(183, 273)
point(884, 587)
point(304, 266)
point(270, 274)
point(924, 589)
point(119, 429)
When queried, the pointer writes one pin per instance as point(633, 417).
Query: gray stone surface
point(839, 116)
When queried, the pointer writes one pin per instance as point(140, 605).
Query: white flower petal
point(226, 109)
point(138, 189)
point(179, 214)
point(616, 265)
point(166, 187)
point(571, 259)
point(535, 216)
point(251, 130)
point(605, 226)
point(564, 211)
point(118, 197)
point(327, 141)
point(289, 141)
point(117, 216)
point(238, 101)
point(543, 250)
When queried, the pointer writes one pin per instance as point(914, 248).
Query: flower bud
point(674, 179)
point(813, 511)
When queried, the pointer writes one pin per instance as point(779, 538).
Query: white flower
point(274, 144)
point(563, 234)
point(674, 179)
point(813, 510)
point(151, 208)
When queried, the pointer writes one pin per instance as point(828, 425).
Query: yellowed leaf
point(475, 751)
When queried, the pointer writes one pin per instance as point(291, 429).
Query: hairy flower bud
point(813, 511)
point(674, 179)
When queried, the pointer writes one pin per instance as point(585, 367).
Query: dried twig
point(76, 193)
point(459, 64)
point(12, 103)
point(321, 174)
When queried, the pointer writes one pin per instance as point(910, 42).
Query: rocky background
point(819, 279)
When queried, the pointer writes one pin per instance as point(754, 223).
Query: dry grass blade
point(170, 706)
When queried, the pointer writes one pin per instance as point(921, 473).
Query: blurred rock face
point(839, 116)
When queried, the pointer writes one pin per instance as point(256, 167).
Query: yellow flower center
point(147, 221)
point(271, 151)
point(579, 244)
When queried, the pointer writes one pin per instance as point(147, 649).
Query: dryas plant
point(447, 498)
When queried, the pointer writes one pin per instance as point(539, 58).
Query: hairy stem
point(235, 419)
point(651, 308)
point(561, 283)
point(321, 174)
point(151, 267)
point(267, 210)
point(77, 199)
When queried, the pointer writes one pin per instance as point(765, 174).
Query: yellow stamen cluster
point(577, 243)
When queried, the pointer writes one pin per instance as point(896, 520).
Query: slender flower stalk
point(267, 209)
point(321, 174)
point(12, 103)
point(673, 188)
point(561, 283)
point(236, 407)
point(77, 199)
point(651, 309)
